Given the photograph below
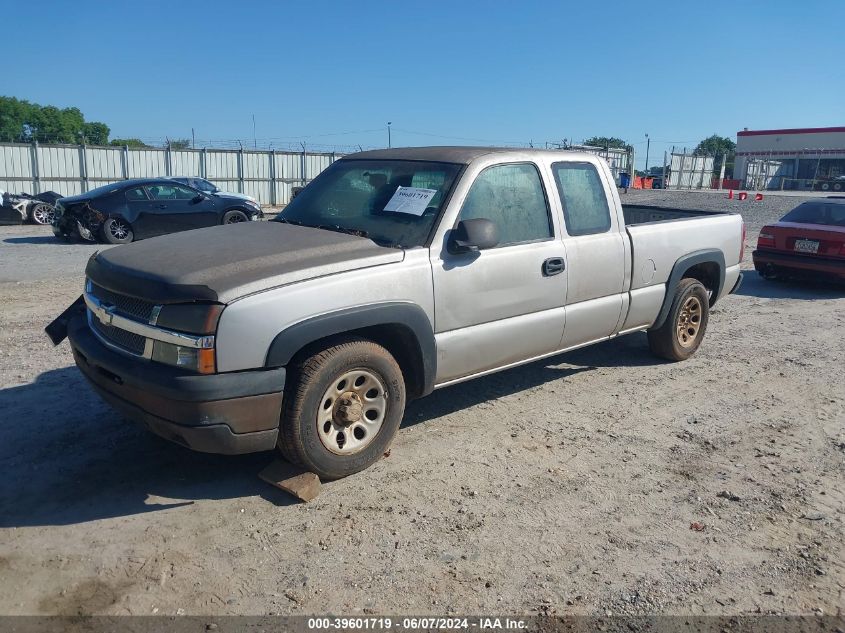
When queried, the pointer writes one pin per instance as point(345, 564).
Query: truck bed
point(645, 214)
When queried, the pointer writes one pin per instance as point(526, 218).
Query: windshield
point(204, 185)
point(817, 213)
point(393, 202)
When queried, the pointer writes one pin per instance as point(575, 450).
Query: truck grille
point(130, 306)
point(129, 341)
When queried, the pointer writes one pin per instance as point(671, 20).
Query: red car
point(807, 241)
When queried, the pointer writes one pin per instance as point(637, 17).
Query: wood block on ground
point(300, 483)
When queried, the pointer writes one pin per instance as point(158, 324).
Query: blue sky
point(332, 74)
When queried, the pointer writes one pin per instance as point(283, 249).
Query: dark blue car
point(130, 210)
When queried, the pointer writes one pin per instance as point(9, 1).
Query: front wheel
point(343, 407)
point(681, 333)
point(117, 231)
point(234, 217)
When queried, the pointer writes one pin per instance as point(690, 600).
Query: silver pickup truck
point(394, 273)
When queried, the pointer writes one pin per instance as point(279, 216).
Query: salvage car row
point(121, 212)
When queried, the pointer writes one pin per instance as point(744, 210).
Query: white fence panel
point(16, 168)
point(73, 169)
point(146, 163)
point(103, 164)
point(58, 161)
point(688, 171)
point(185, 162)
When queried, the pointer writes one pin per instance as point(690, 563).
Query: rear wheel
point(117, 231)
point(681, 333)
point(342, 408)
point(41, 213)
point(234, 217)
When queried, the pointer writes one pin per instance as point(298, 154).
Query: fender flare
point(409, 316)
point(706, 256)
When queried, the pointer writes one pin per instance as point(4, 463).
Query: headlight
point(192, 318)
point(253, 203)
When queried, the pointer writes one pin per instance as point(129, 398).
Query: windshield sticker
point(411, 200)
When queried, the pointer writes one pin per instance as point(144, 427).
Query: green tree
point(715, 145)
point(129, 142)
point(96, 133)
point(180, 143)
point(25, 122)
point(722, 148)
point(605, 141)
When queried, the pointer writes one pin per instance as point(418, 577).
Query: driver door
point(505, 304)
point(175, 208)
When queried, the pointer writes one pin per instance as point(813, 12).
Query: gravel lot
point(568, 486)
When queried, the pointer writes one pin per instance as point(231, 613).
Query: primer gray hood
point(224, 263)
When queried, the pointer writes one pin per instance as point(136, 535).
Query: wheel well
point(708, 274)
point(395, 338)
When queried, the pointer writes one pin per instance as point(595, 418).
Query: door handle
point(553, 266)
point(162, 206)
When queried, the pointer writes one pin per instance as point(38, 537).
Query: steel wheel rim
point(689, 322)
point(352, 411)
point(235, 219)
point(42, 214)
point(118, 230)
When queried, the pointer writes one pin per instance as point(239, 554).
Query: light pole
point(388, 134)
point(647, 146)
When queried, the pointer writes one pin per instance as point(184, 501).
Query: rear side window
point(136, 194)
point(511, 196)
point(583, 198)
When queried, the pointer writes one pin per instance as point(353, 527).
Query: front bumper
point(796, 264)
point(229, 413)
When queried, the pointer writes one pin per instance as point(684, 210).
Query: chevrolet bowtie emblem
point(105, 314)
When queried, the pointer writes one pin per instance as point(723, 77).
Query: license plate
point(57, 330)
point(807, 246)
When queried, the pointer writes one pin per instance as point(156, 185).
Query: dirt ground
point(567, 486)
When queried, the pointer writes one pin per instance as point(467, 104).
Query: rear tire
point(683, 330)
point(343, 406)
point(234, 217)
point(117, 231)
point(41, 213)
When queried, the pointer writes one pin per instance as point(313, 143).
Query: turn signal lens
point(205, 361)
point(200, 360)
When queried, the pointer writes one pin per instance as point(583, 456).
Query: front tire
point(343, 407)
point(683, 330)
point(117, 231)
point(234, 217)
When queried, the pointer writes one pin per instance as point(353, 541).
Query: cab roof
point(449, 154)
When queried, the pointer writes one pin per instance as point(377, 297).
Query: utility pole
point(193, 139)
point(388, 134)
point(647, 146)
point(254, 141)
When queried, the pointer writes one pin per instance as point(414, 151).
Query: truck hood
point(224, 263)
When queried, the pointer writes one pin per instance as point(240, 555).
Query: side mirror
point(473, 235)
point(198, 198)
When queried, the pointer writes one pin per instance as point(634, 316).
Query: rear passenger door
point(595, 251)
point(500, 305)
